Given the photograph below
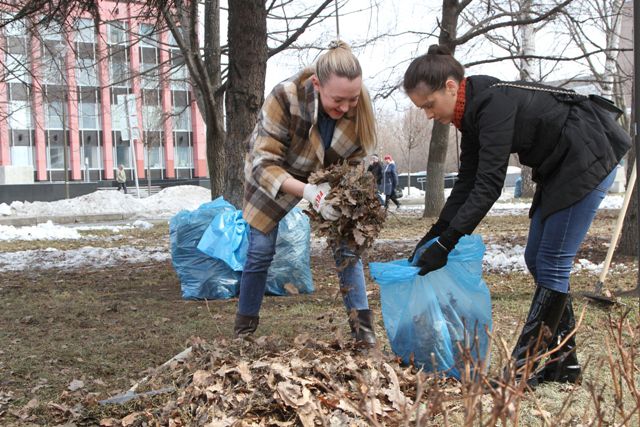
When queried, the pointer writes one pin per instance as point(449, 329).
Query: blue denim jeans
point(262, 247)
point(553, 243)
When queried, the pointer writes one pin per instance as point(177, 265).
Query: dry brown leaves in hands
point(354, 194)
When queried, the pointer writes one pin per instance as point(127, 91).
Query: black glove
point(435, 231)
point(435, 256)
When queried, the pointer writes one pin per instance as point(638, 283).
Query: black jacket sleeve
point(483, 160)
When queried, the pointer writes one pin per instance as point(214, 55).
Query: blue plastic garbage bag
point(291, 263)
point(441, 313)
point(200, 275)
point(227, 239)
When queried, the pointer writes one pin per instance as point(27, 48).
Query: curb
point(21, 221)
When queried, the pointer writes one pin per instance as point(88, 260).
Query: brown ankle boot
point(362, 328)
point(245, 325)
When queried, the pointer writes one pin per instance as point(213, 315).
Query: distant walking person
point(390, 181)
point(121, 179)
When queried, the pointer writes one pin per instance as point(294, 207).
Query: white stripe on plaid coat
point(286, 143)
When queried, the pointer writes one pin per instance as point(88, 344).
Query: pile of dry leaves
point(354, 194)
point(313, 383)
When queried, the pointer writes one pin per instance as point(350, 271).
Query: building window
point(20, 116)
point(118, 111)
point(56, 114)
point(178, 75)
point(86, 66)
point(88, 108)
point(119, 66)
point(181, 110)
point(55, 149)
point(153, 150)
point(149, 57)
point(121, 150)
point(152, 116)
point(53, 61)
point(22, 150)
point(183, 150)
point(16, 66)
point(90, 149)
point(85, 31)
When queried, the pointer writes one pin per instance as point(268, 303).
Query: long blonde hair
point(339, 60)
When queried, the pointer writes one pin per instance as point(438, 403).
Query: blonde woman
point(316, 118)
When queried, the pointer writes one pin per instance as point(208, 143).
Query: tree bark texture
point(434, 194)
point(629, 237)
point(209, 100)
point(528, 186)
point(248, 56)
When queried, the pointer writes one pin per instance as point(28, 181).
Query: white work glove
point(316, 195)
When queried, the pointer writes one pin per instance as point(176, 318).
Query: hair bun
point(436, 49)
point(338, 44)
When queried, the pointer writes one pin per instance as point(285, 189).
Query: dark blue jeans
point(262, 247)
point(554, 242)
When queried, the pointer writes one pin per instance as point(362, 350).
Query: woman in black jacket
point(572, 143)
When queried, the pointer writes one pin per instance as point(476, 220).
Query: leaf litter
point(251, 383)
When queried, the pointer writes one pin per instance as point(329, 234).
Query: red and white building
point(60, 87)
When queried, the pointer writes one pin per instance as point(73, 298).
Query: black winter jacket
point(569, 141)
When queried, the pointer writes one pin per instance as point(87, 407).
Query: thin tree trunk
point(528, 186)
point(247, 69)
point(211, 103)
point(527, 73)
point(434, 194)
point(629, 236)
point(215, 153)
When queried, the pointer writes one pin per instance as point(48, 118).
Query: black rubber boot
point(245, 325)
point(547, 307)
point(564, 366)
point(362, 328)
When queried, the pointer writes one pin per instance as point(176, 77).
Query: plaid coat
point(286, 143)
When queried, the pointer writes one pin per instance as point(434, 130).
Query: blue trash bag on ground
point(200, 275)
point(291, 263)
point(227, 239)
point(439, 314)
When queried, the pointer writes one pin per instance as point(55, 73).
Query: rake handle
point(619, 224)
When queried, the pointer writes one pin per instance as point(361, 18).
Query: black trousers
point(393, 198)
point(122, 185)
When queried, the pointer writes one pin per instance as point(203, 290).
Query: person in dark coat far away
point(389, 181)
point(573, 144)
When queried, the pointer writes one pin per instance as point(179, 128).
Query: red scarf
point(458, 111)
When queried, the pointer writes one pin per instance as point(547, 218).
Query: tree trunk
point(209, 101)
point(629, 237)
point(245, 93)
point(434, 192)
point(528, 186)
point(215, 153)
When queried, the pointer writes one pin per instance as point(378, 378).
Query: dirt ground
point(102, 329)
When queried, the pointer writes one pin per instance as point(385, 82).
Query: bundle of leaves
point(354, 194)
